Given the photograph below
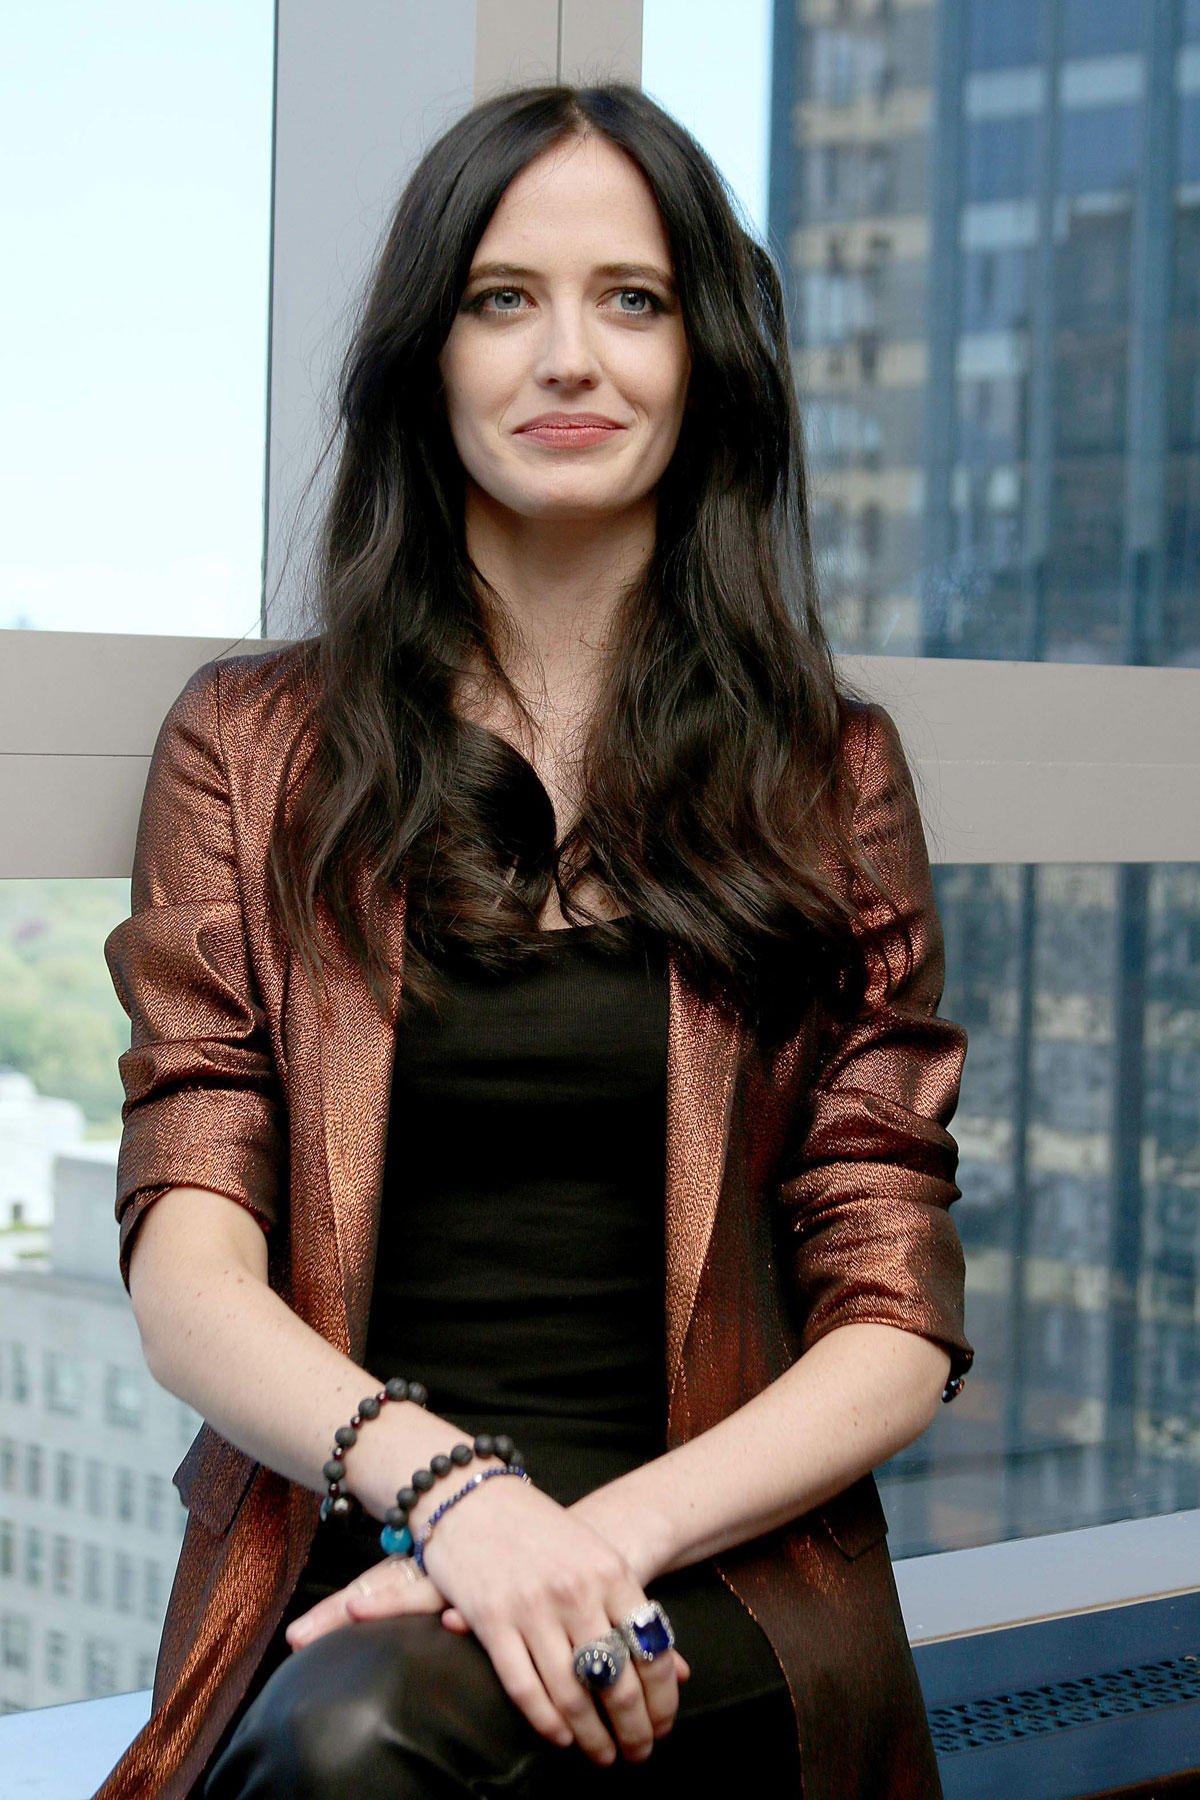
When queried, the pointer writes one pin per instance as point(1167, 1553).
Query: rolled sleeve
point(867, 1190)
point(203, 1100)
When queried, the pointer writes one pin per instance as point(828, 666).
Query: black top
point(520, 1268)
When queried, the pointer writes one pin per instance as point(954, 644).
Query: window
point(1098, 148)
point(1002, 37)
point(847, 66)
point(1001, 158)
point(64, 1382)
point(8, 1465)
point(156, 1497)
point(35, 1464)
point(65, 1478)
point(20, 1374)
point(14, 1642)
point(123, 1582)
point(153, 1597)
point(62, 1564)
point(56, 1658)
point(93, 1574)
point(1091, 28)
point(8, 1547)
point(100, 1667)
point(102, 134)
point(94, 1479)
point(34, 1551)
point(125, 1500)
point(123, 1397)
point(1081, 990)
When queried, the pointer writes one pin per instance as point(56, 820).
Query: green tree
point(60, 1021)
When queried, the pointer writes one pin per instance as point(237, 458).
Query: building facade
point(90, 1525)
point(991, 217)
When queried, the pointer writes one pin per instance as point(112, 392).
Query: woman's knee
point(395, 1705)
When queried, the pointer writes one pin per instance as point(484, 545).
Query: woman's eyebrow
point(621, 271)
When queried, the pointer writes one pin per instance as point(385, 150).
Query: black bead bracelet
point(395, 1538)
point(337, 1503)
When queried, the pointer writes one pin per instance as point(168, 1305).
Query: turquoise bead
point(396, 1543)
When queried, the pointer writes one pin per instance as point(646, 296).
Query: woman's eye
point(505, 294)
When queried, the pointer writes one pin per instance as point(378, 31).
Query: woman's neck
point(559, 581)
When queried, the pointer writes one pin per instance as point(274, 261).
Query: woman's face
point(569, 310)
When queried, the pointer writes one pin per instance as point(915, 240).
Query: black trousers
point(403, 1709)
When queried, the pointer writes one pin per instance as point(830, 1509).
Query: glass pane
point(135, 168)
point(980, 219)
point(90, 1525)
point(1079, 1138)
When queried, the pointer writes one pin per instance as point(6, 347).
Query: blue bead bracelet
point(418, 1551)
point(396, 1539)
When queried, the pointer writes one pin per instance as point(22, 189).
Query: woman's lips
point(570, 437)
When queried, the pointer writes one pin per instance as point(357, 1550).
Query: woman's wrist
point(402, 1439)
point(624, 1513)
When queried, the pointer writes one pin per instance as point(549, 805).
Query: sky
point(135, 160)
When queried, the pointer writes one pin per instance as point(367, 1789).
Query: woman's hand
point(389, 1588)
point(533, 1583)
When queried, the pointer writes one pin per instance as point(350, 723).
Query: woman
point(566, 765)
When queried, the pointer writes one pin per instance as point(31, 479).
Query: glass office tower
point(991, 221)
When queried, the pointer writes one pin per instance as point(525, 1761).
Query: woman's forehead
point(586, 195)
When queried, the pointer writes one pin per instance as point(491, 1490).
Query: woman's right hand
point(533, 1583)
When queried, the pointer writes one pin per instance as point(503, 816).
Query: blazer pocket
point(855, 1518)
point(212, 1479)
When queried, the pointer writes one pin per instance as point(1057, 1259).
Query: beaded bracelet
point(395, 1538)
point(426, 1530)
point(337, 1503)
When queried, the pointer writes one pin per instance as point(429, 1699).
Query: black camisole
point(520, 1267)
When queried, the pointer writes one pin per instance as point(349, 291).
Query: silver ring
point(647, 1632)
point(600, 1661)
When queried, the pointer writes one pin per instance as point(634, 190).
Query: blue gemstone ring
point(599, 1662)
point(647, 1631)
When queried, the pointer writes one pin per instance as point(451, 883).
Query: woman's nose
point(566, 353)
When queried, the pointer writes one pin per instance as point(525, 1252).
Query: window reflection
point(1079, 1137)
point(991, 214)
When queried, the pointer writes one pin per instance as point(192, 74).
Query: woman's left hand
point(387, 1589)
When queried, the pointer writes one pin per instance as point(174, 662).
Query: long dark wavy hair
point(716, 803)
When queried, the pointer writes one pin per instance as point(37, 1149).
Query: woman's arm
point(856, 1397)
point(216, 1335)
point(876, 1268)
point(535, 1582)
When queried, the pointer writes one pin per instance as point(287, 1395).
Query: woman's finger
point(394, 1586)
point(523, 1685)
point(553, 1653)
point(379, 1591)
point(325, 1616)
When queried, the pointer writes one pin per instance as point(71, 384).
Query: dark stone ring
point(647, 1631)
point(599, 1662)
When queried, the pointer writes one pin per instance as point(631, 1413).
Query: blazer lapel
point(357, 1050)
point(703, 1050)
point(356, 1055)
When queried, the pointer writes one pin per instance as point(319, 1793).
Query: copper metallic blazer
point(803, 1192)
